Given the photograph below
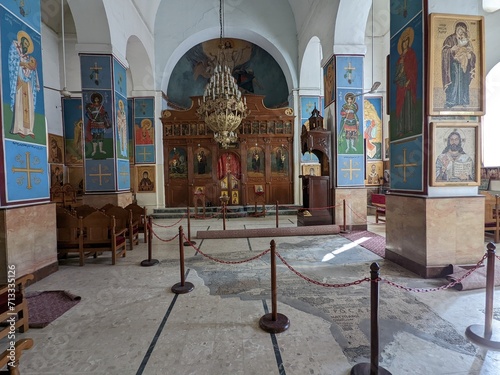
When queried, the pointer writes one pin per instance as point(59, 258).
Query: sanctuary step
point(232, 211)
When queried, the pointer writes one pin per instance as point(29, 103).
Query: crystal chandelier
point(222, 107)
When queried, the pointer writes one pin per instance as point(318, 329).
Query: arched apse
point(491, 130)
point(284, 61)
point(253, 68)
point(311, 76)
point(348, 39)
point(140, 67)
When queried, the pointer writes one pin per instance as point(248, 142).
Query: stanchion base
point(475, 333)
point(150, 262)
point(365, 369)
point(187, 243)
point(281, 324)
point(182, 289)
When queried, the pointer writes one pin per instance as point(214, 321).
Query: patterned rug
point(45, 307)
point(368, 240)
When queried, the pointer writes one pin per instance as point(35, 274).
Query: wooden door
point(229, 176)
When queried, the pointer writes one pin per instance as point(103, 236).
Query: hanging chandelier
point(222, 108)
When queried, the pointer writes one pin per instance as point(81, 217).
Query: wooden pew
point(378, 201)
point(6, 357)
point(492, 215)
point(124, 219)
point(14, 308)
point(100, 235)
point(139, 214)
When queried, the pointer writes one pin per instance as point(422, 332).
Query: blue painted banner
point(407, 165)
point(99, 175)
point(26, 174)
point(350, 170)
point(123, 168)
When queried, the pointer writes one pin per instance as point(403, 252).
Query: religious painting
point(99, 175)
point(56, 149)
point(307, 105)
point(73, 131)
point(228, 164)
point(146, 182)
point(121, 109)
point(235, 198)
point(454, 154)
point(374, 173)
point(406, 165)
point(123, 174)
point(203, 162)
point(199, 190)
point(177, 163)
point(23, 107)
point(26, 175)
point(254, 69)
point(56, 175)
point(387, 148)
point(27, 10)
point(96, 72)
point(494, 185)
point(406, 80)
point(130, 129)
point(373, 127)
point(492, 173)
point(351, 170)
point(329, 81)
point(144, 135)
point(456, 65)
point(98, 111)
point(279, 162)
point(311, 169)
point(349, 71)
point(119, 78)
point(255, 161)
point(349, 122)
point(402, 11)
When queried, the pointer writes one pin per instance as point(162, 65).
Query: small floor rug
point(475, 280)
point(45, 307)
point(368, 240)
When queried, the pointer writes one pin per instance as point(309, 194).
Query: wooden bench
point(6, 356)
point(14, 308)
point(492, 215)
point(139, 214)
point(100, 235)
point(124, 219)
point(378, 201)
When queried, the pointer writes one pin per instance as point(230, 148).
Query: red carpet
point(368, 240)
point(45, 307)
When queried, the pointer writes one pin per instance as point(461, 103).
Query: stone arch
point(140, 67)
point(310, 69)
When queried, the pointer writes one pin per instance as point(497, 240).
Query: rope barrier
point(172, 225)
point(161, 239)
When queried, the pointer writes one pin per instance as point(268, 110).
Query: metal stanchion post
point(277, 214)
point(274, 322)
point(149, 229)
point(487, 335)
point(182, 287)
point(373, 367)
point(189, 242)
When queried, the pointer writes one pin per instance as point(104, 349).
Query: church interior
point(344, 149)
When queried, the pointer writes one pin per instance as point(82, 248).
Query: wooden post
point(274, 322)
point(489, 334)
point(148, 228)
point(277, 214)
point(182, 287)
point(189, 242)
point(373, 367)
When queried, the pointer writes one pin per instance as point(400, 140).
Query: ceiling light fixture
point(222, 108)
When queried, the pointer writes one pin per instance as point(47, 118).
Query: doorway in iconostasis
point(229, 176)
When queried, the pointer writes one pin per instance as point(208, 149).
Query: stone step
point(231, 211)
